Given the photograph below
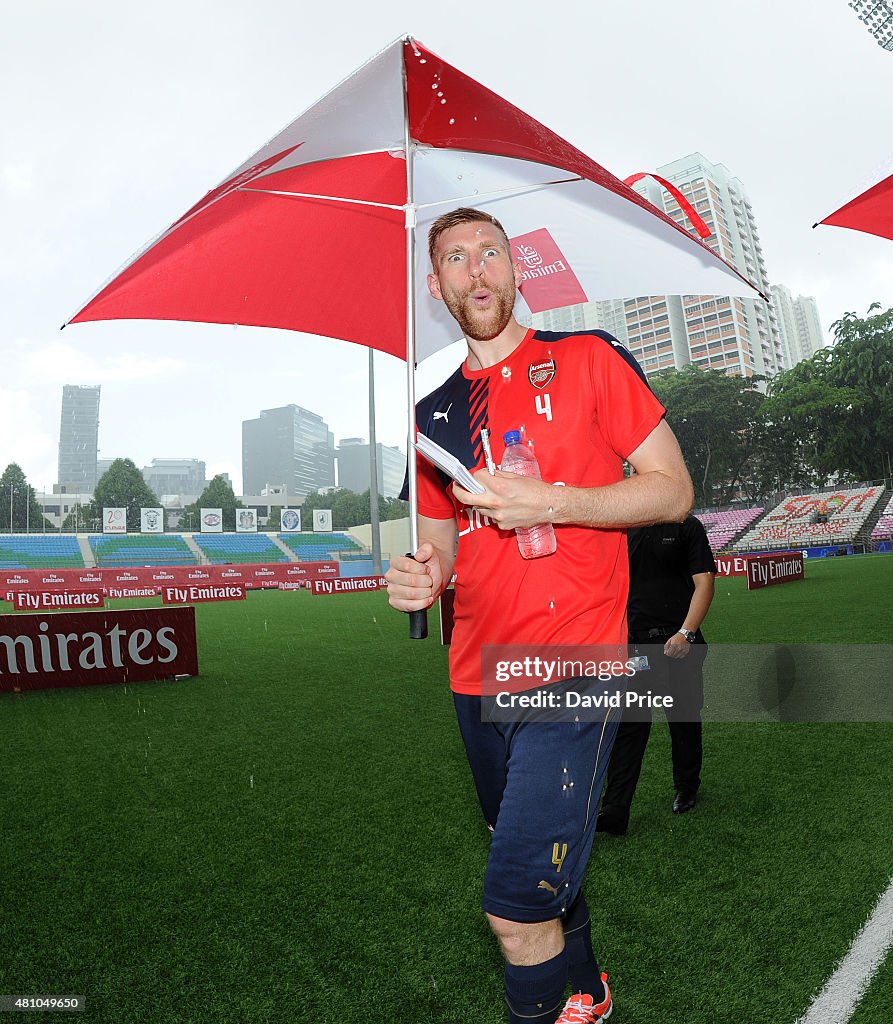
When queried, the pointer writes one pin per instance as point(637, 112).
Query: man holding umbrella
point(585, 405)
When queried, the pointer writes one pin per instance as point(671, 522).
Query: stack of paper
point(441, 458)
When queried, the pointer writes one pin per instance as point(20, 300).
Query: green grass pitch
point(293, 835)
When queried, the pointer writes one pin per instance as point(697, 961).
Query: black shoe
point(612, 823)
point(684, 800)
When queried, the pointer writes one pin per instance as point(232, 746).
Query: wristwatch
point(687, 633)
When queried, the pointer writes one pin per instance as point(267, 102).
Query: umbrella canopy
point(872, 211)
point(314, 232)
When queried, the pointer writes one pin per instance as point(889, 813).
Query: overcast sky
point(115, 118)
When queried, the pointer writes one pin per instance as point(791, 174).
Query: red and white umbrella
point(871, 211)
point(316, 231)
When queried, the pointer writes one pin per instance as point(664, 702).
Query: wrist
point(689, 634)
point(560, 504)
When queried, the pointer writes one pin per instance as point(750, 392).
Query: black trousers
point(683, 679)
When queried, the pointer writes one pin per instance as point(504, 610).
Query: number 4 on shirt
point(544, 406)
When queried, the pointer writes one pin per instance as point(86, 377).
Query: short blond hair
point(464, 215)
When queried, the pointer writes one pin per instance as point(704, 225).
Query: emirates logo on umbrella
point(547, 280)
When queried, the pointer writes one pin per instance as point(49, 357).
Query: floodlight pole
point(373, 474)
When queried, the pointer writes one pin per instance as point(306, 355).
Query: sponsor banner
point(14, 579)
point(731, 565)
point(246, 520)
point(307, 570)
point(123, 577)
point(161, 576)
point(55, 600)
point(211, 520)
point(195, 575)
point(289, 520)
point(203, 592)
point(114, 520)
point(122, 592)
point(39, 652)
point(322, 520)
point(349, 584)
point(88, 577)
point(768, 570)
point(547, 281)
point(232, 574)
point(151, 520)
point(295, 585)
point(143, 581)
point(266, 576)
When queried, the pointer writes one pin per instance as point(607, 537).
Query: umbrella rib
point(512, 190)
point(313, 195)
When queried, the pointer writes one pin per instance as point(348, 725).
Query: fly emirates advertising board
point(45, 651)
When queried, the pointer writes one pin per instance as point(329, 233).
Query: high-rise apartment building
point(290, 446)
point(798, 324)
point(738, 335)
point(877, 16)
point(354, 470)
point(78, 439)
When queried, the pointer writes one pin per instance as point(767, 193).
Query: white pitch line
point(843, 991)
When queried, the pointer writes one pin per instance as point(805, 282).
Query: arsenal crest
point(540, 374)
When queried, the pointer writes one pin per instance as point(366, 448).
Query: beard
point(482, 324)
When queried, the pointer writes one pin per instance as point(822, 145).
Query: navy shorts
point(539, 784)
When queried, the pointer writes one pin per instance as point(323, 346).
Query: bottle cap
point(512, 437)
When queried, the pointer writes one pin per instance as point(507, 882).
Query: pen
point(488, 455)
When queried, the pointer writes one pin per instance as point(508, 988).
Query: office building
point(169, 477)
point(290, 447)
point(78, 439)
point(354, 469)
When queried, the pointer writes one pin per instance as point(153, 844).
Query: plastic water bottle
point(534, 541)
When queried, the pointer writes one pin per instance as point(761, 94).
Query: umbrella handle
point(418, 621)
point(418, 624)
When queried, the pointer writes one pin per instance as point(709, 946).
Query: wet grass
point(293, 835)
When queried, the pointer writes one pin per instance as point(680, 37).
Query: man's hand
point(415, 583)
point(677, 647)
point(509, 500)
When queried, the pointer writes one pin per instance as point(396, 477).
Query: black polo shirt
point(662, 561)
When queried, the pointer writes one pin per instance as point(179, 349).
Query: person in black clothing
point(670, 590)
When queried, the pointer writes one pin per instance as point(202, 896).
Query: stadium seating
point(141, 549)
point(804, 520)
point(884, 526)
point(222, 548)
point(40, 551)
point(320, 547)
point(722, 527)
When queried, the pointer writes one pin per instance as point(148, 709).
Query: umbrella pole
point(418, 621)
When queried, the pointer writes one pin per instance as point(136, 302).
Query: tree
point(20, 510)
point(350, 509)
point(218, 494)
point(275, 518)
point(716, 418)
point(121, 486)
point(832, 415)
point(394, 508)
